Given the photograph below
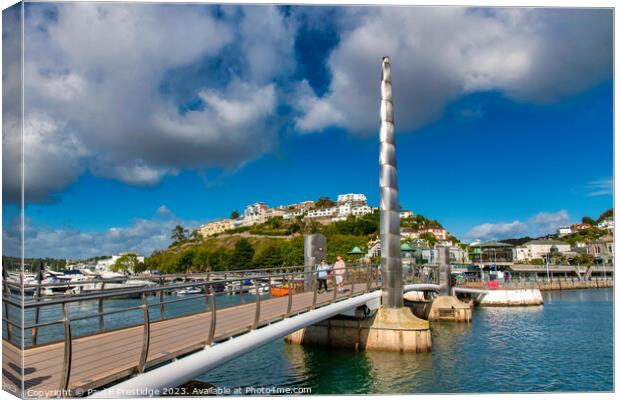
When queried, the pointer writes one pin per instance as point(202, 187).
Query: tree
point(269, 257)
point(293, 228)
point(429, 238)
point(293, 251)
point(324, 202)
point(588, 220)
point(584, 259)
point(201, 259)
point(219, 260)
point(179, 234)
point(275, 222)
point(605, 215)
point(234, 214)
point(242, 255)
point(126, 263)
point(185, 261)
point(195, 236)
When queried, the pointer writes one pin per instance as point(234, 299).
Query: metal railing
point(536, 282)
point(252, 289)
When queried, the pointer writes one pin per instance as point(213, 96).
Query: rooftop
point(544, 241)
point(492, 243)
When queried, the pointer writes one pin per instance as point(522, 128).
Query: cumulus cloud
point(546, 222)
point(142, 236)
point(137, 92)
point(540, 224)
point(11, 105)
point(98, 96)
point(441, 53)
point(503, 229)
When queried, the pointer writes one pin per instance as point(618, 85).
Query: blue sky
point(502, 129)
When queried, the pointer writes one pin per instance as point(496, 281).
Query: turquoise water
point(565, 345)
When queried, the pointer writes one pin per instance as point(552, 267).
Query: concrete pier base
point(388, 330)
point(449, 308)
point(418, 303)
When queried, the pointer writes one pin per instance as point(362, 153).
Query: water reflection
point(565, 345)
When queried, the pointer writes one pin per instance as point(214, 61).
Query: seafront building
point(352, 198)
point(579, 227)
point(492, 252)
point(439, 233)
point(105, 264)
point(543, 247)
point(603, 250)
point(606, 224)
point(405, 214)
point(215, 227)
point(257, 213)
point(564, 230)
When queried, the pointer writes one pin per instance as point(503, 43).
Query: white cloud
point(441, 53)
point(163, 210)
point(540, 224)
point(106, 89)
point(545, 222)
point(602, 187)
point(93, 90)
point(142, 236)
point(499, 230)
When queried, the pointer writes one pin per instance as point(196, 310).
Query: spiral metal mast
point(391, 263)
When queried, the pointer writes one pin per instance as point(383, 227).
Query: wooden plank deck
point(100, 359)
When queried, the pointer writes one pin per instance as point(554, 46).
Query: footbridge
point(161, 336)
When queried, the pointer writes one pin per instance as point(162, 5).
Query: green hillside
point(275, 243)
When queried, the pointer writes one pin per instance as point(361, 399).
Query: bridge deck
point(100, 359)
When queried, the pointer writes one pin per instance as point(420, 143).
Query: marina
point(195, 216)
point(116, 332)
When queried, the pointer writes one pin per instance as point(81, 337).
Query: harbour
point(503, 350)
point(206, 240)
point(174, 324)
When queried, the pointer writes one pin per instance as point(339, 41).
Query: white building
point(541, 248)
point(564, 230)
point(255, 209)
point(351, 198)
point(439, 233)
point(255, 214)
point(409, 234)
point(361, 210)
point(458, 255)
point(302, 205)
point(275, 212)
point(405, 214)
point(374, 249)
point(239, 223)
point(105, 264)
point(337, 213)
point(344, 210)
point(293, 214)
point(607, 224)
point(215, 227)
point(323, 212)
point(520, 253)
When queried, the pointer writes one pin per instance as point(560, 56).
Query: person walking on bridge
point(322, 269)
point(339, 271)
